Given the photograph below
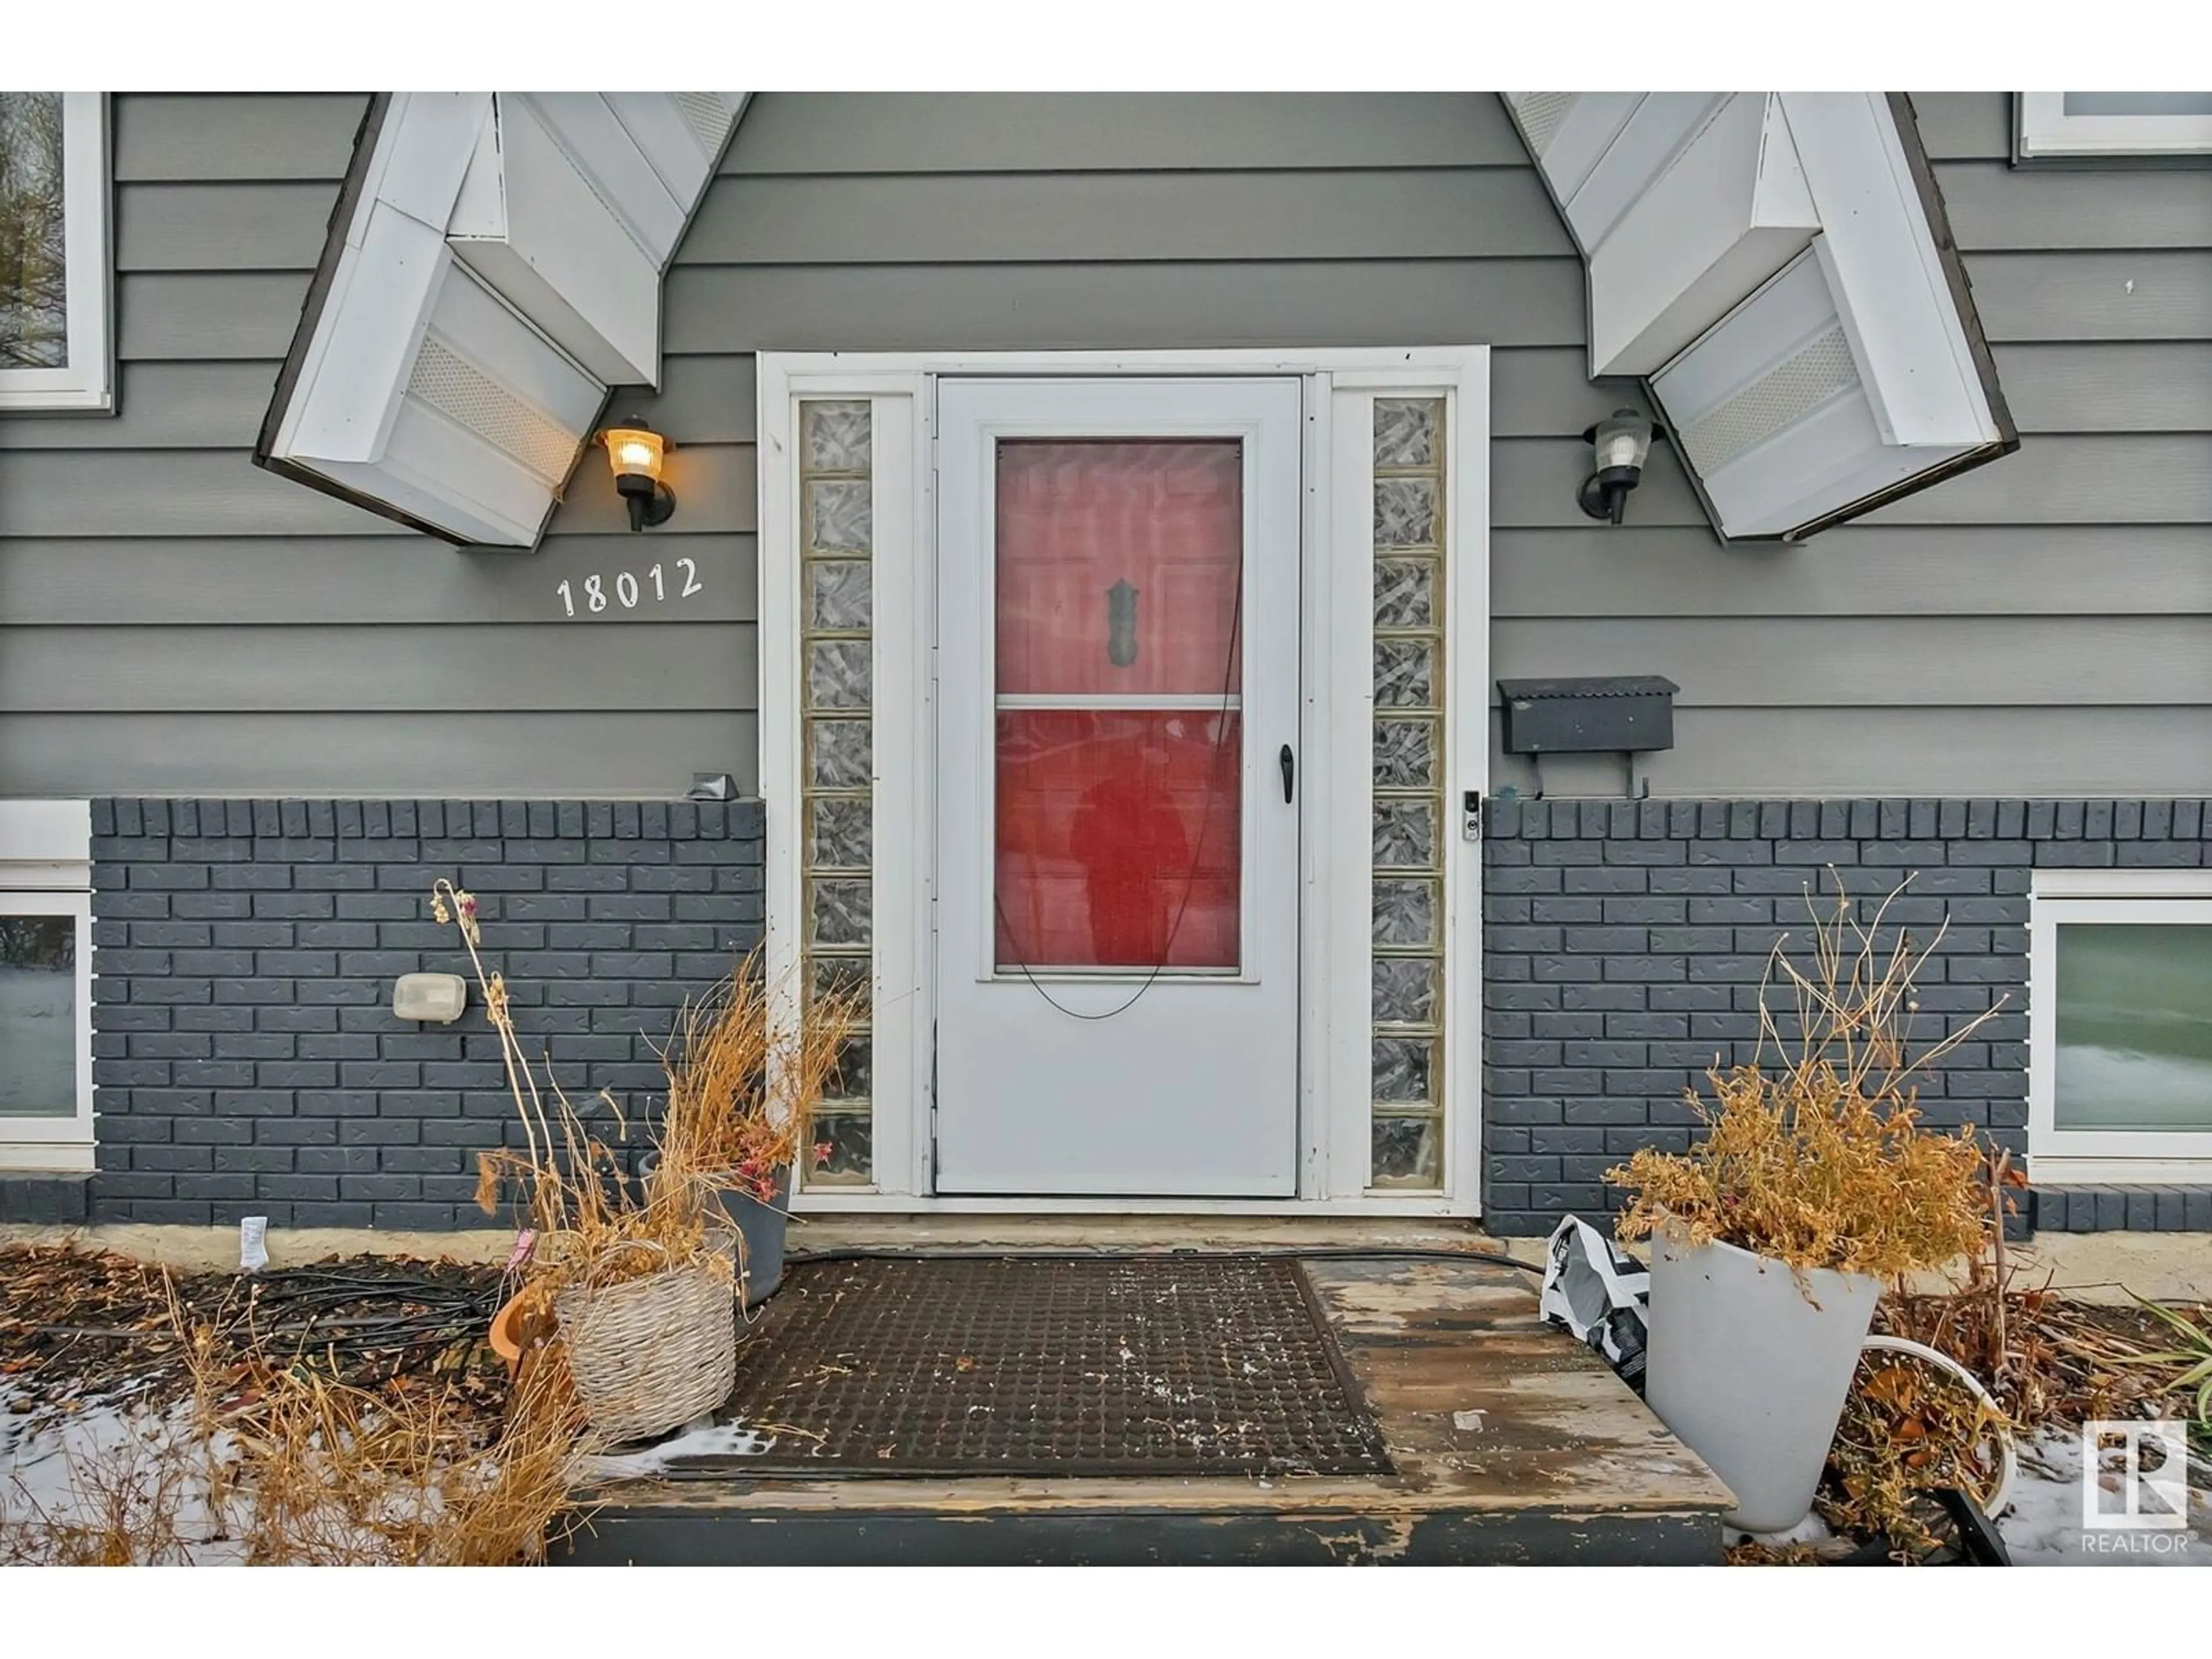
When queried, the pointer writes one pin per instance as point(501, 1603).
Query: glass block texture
point(1405, 1148)
point(836, 649)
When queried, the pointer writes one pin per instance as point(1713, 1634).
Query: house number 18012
point(627, 591)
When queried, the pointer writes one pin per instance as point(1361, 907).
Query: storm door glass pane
point(1117, 567)
point(2135, 1026)
point(1119, 731)
point(38, 1016)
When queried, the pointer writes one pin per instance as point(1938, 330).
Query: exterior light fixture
point(1621, 442)
point(634, 452)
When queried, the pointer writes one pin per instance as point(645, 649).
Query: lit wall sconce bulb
point(1621, 442)
point(634, 452)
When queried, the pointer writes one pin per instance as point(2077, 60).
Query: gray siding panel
point(1965, 126)
point(1454, 213)
point(2108, 386)
point(2103, 479)
point(1994, 206)
point(1963, 572)
point(2155, 295)
point(169, 405)
point(207, 492)
point(195, 582)
point(604, 751)
point(1868, 662)
point(851, 132)
point(373, 669)
point(227, 226)
point(192, 136)
point(208, 317)
point(2036, 627)
point(884, 307)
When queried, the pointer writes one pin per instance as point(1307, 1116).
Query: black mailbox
point(1611, 711)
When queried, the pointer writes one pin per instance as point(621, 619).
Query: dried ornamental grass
point(1822, 1161)
point(744, 1083)
point(275, 1463)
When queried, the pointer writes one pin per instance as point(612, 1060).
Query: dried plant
point(742, 1086)
point(742, 1090)
point(1908, 1428)
point(275, 1462)
point(329, 1475)
point(129, 1506)
point(583, 1213)
point(1822, 1161)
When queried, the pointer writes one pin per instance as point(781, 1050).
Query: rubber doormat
point(1016, 1367)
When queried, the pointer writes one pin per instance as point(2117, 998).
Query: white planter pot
point(1750, 1373)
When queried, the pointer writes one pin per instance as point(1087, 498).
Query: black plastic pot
point(761, 1226)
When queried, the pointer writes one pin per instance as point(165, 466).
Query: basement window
point(55, 351)
point(2120, 127)
point(45, 985)
point(2120, 1025)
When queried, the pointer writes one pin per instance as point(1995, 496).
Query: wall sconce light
point(1621, 442)
point(634, 452)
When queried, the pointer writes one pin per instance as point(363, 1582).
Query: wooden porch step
point(1511, 1442)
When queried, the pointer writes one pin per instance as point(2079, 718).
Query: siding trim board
point(1625, 941)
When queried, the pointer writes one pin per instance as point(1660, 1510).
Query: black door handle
point(1290, 771)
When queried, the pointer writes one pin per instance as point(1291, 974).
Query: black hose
point(1128, 1252)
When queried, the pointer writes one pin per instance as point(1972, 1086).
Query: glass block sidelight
point(836, 531)
point(1407, 1130)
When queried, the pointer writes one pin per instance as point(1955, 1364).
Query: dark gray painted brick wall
point(245, 1058)
point(1625, 941)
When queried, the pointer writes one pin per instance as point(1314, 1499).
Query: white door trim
point(1334, 1017)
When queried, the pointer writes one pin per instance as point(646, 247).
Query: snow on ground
point(50, 1458)
point(2043, 1527)
point(703, 1438)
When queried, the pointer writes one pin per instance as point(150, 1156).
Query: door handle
point(1289, 765)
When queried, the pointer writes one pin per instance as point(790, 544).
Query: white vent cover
point(494, 266)
point(1776, 267)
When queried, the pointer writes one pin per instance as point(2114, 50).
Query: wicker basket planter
point(650, 1354)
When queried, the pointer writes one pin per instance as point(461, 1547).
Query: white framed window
point(2120, 1025)
point(45, 985)
point(2081, 126)
point(57, 348)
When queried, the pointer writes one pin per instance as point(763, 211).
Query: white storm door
point(1118, 744)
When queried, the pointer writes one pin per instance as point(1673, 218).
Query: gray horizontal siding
point(206, 582)
point(599, 753)
point(886, 305)
point(1454, 213)
point(1129, 132)
point(192, 136)
point(345, 668)
point(2040, 626)
point(174, 620)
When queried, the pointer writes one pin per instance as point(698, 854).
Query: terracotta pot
point(505, 1333)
